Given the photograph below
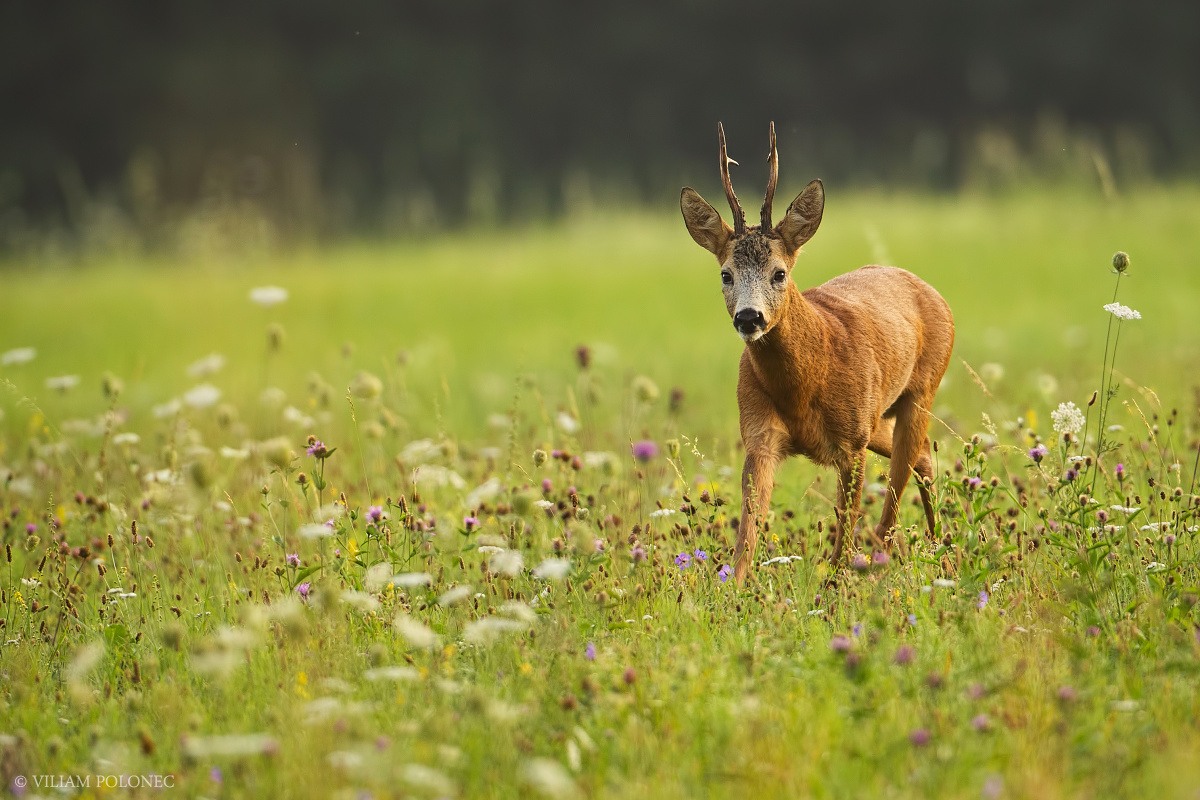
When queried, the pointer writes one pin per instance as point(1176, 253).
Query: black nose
point(749, 320)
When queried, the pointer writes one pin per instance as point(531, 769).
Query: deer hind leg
point(849, 500)
point(924, 469)
point(909, 443)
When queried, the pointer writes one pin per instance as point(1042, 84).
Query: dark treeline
point(377, 115)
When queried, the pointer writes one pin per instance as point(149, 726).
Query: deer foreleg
point(758, 480)
point(849, 500)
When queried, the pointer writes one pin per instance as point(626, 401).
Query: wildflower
point(904, 655)
point(317, 449)
point(1037, 453)
point(983, 600)
point(856, 630)
point(1119, 471)
point(539, 457)
point(860, 562)
point(1122, 312)
point(662, 512)
point(724, 572)
point(304, 590)
point(1071, 474)
point(568, 423)
point(215, 775)
point(645, 389)
point(547, 486)
point(981, 723)
point(268, 296)
point(880, 559)
point(639, 554)
point(470, 523)
point(203, 395)
point(840, 643)
point(19, 355)
point(974, 482)
point(1067, 418)
point(682, 560)
point(213, 362)
point(62, 383)
point(375, 514)
point(912, 620)
point(293, 559)
point(589, 652)
point(700, 555)
point(30, 528)
point(1067, 694)
point(920, 737)
point(552, 569)
point(1120, 261)
point(644, 450)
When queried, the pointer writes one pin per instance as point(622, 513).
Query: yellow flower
point(302, 684)
point(352, 547)
point(526, 668)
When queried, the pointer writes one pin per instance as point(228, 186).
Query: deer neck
point(790, 360)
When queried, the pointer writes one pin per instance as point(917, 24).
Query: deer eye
point(726, 277)
point(780, 276)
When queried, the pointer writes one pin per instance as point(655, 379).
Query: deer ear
point(703, 222)
point(803, 216)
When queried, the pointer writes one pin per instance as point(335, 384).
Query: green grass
point(1077, 678)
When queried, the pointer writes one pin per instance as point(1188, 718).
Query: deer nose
point(749, 320)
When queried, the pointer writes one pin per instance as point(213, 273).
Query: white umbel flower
point(1122, 312)
point(1067, 418)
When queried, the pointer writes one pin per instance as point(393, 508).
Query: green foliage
point(420, 529)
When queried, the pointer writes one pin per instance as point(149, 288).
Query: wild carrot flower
point(682, 560)
point(644, 450)
point(1067, 418)
point(724, 572)
point(1122, 312)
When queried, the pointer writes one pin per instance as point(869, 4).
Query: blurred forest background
point(152, 125)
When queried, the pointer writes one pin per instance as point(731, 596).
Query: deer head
point(756, 262)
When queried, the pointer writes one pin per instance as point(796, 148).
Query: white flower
point(455, 595)
point(19, 355)
point(1125, 509)
point(428, 780)
point(268, 295)
point(420, 451)
point(417, 634)
point(552, 569)
point(213, 362)
point(360, 600)
point(550, 778)
point(506, 562)
point(1122, 312)
point(247, 744)
point(487, 629)
point(488, 490)
point(943, 583)
point(544, 505)
point(233, 453)
point(407, 580)
point(126, 437)
point(167, 409)
point(1067, 418)
point(568, 423)
point(315, 530)
point(392, 673)
point(434, 475)
point(62, 383)
point(202, 396)
point(662, 512)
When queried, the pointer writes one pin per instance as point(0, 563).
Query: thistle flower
point(644, 450)
point(470, 523)
point(304, 590)
point(293, 559)
point(841, 643)
point(317, 449)
point(375, 514)
point(1067, 418)
point(1037, 453)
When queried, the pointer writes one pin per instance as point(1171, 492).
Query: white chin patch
point(751, 337)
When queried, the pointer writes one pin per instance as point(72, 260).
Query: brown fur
point(847, 366)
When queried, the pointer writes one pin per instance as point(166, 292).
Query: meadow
point(448, 517)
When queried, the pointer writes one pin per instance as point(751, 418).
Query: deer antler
point(739, 216)
point(773, 178)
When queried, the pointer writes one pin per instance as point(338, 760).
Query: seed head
point(1120, 261)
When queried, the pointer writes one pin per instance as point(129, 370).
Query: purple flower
point(974, 482)
point(293, 559)
point(1067, 694)
point(375, 513)
point(904, 655)
point(644, 450)
point(857, 630)
point(304, 590)
point(30, 528)
point(840, 643)
point(983, 600)
point(1037, 453)
point(880, 559)
point(589, 652)
point(470, 523)
point(1071, 475)
point(912, 620)
point(317, 449)
point(1093, 630)
point(1119, 471)
point(215, 775)
point(546, 485)
point(920, 737)
point(723, 573)
point(599, 545)
point(638, 553)
point(860, 562)
point(682, 560)
point(981, 723)
point(700, 555)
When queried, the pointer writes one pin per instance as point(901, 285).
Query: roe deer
point(829, 373)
